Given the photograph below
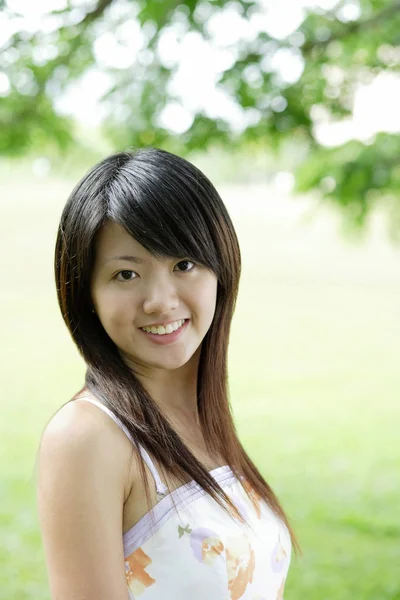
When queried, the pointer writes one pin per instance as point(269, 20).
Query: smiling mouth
point(165, 330)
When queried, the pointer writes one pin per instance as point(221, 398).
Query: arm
point(81, 482)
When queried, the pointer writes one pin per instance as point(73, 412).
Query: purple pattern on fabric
point(137, 535)
point(197, 538)
point(278, 557)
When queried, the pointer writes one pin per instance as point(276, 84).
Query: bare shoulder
point(84, 461)
point(81, 431)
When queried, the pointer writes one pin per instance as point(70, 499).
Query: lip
point(167, 338)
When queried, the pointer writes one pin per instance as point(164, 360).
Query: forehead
point(113, 242)
point(112, 238)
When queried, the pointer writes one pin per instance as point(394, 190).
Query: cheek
point(205, 297)
point(113, 309)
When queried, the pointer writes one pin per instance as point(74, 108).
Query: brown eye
point(125, 275)
point(185, 263)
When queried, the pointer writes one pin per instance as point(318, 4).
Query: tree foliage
point(334, 55)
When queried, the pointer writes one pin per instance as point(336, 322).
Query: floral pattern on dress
point(206, 545)
point(240, 563)
point(136, 576)
point(278, 557)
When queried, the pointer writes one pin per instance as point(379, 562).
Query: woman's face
point(131, 289)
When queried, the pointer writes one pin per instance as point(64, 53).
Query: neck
point(174, 391)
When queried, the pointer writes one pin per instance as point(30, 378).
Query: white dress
point(197, 551)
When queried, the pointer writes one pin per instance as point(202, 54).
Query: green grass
point(314, 383)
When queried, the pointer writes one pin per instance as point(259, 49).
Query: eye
point(186, 262)
point(125, 275)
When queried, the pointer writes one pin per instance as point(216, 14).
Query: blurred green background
point(308, 166)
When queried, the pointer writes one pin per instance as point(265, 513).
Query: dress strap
point(160, 486)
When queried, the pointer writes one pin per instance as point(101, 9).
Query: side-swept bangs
point(171, 210)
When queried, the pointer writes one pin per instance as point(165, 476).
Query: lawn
point(314, 381)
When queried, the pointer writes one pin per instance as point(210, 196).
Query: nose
point(161, 297)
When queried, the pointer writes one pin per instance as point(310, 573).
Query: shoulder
point(83, 465)
point(80, 433)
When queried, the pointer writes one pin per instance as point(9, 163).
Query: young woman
point(144, 489)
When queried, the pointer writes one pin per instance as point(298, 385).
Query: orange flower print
point(240, 563)
point(136, 576)
point(254, 496)
point(280, 591)
point(206, 545)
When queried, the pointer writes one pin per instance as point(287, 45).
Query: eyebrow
point(127, 258)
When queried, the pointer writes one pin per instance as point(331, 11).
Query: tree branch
point(96, 12)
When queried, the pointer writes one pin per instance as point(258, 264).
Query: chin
point(169, 365)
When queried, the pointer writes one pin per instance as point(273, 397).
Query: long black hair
point(172, 209)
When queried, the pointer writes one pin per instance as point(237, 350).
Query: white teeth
point(161, 330)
